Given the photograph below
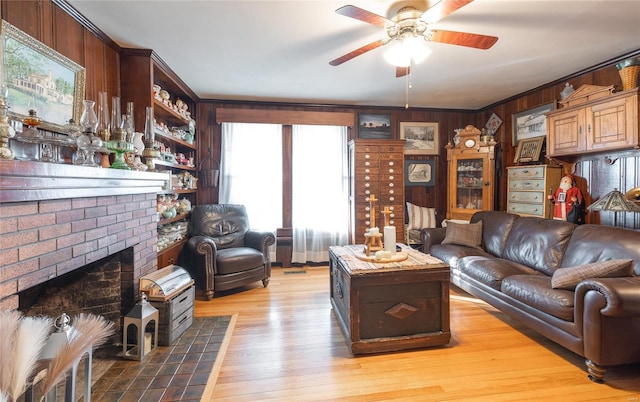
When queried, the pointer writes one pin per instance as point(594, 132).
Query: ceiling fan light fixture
point(406, 51)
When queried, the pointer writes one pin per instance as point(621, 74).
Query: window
point(251, 166)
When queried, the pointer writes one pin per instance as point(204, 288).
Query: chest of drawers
point(528, 187)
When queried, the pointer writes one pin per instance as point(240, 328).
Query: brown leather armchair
point(223, 252)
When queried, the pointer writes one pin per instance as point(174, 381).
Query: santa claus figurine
point(568, 201)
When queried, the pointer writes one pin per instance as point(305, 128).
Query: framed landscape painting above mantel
point(420, 138)
point(37, 77)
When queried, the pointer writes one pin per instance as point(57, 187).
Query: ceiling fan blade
point(364, 15)
point(358, 52)
point(442, 9)
point(477, 41)
point(402, 71)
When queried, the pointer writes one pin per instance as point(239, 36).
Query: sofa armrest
point(432, 236)
point(202, 245)
point(259, 240)
point(621, 295)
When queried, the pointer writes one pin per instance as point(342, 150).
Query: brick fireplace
point(59, 219)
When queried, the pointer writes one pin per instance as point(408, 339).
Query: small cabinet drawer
point(524, 184)
point(531, 196)
point(526, 209)
point(527, 172)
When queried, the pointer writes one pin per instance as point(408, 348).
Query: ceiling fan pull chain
point(408, 86)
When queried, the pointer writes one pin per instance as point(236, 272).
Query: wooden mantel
point(33, 181)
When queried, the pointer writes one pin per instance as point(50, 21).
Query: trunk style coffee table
point(385, 307)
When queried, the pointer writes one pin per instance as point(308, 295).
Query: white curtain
point(320, 210)
point(251, 172)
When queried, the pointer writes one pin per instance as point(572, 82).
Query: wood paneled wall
point(57, 28)
point(57, 25)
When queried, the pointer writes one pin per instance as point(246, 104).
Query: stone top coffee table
point(384, 307)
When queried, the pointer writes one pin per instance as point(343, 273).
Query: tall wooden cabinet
point(376, 167)
point(143, 76)
point(470, 175)
point(528, 187)
point(594, 119)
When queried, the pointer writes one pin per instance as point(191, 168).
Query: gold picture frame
point(529, 150)
point(32, 70)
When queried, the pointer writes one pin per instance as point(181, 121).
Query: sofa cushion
point(588, 242)
point(568, 278)
point(421, 217)
point(536, 291)
point(491, 271)
point(451, 253)
point(538, 243)
point(464, 234)
point(496, 226)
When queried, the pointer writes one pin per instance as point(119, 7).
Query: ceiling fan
point(409, 25)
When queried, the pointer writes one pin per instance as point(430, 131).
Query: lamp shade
point(614, 201)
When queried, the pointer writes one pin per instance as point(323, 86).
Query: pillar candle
point(390, 239)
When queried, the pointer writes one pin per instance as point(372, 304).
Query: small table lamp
point(616, 202)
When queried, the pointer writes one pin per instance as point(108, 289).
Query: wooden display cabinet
point(470, 175)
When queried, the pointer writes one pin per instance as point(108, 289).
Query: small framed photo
point(531, 123)
point(420, 138)
point(419, 172)
point(529, 150)
point(493, 124)
point(374, 126)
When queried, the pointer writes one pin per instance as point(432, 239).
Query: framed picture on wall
point(420, 138)
point(531, 123)
point(529, 150)
point(419, 172)
point(41, 79)
point(374, 126)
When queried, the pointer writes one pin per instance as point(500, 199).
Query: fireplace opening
point(96, 288)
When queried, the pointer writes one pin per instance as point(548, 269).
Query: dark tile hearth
point(170, 373)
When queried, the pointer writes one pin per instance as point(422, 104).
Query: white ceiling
point(270, 50)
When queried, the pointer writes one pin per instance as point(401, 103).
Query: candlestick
point(390, 239)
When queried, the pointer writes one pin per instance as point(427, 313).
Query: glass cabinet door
point(469, 183)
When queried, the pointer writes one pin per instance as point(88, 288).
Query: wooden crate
point(175, 315)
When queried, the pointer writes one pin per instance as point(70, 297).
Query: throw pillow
point(568, 278)
point(420, 217)
point(464, 234)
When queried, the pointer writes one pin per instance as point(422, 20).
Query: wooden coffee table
point(391, 306)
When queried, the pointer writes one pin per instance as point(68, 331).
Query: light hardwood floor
point(288, 346)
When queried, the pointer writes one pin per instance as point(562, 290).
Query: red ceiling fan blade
point(477, 41)
point(442, 9)
point(402, 71)
point(358, 52)
point(364, 15)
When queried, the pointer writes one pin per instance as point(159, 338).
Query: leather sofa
point(514, 268)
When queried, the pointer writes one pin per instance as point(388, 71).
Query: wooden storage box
point(175, 315)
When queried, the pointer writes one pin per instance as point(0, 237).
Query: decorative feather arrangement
point(30, 338)
point(89, 331)
point(9, 321)
point(22, 338)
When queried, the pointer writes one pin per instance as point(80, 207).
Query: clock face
point(469, 143)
